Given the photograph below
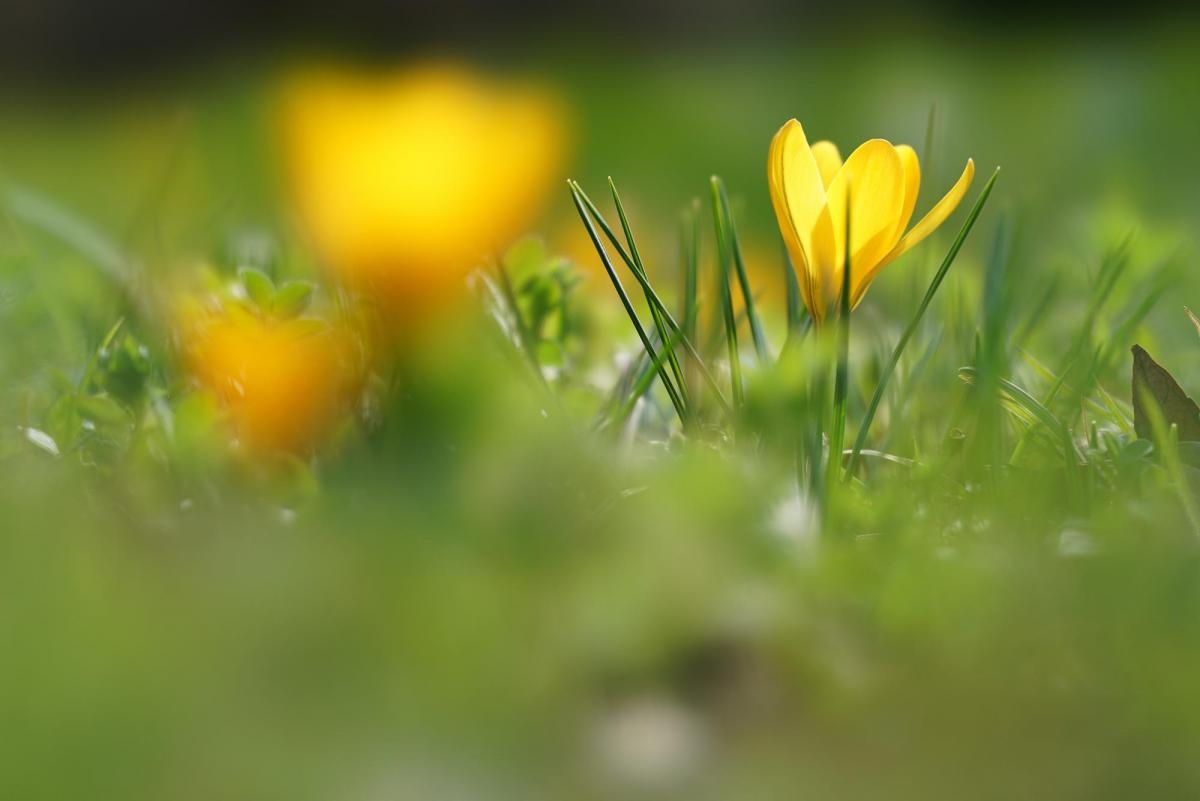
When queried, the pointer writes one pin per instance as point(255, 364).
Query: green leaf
point(1153, 384)
point(259, 287)
point(102, 409)
point(292, 299)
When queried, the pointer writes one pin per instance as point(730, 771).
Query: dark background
point(79, 40)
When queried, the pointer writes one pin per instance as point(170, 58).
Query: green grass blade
point(581, 197)
point(898, 351)
point(725, 290)
point(930, 129)
point(690, 258)
point(795, 305)
point(525, 337)
point(1019, 401)
point(629, 310)
point(735, 248)
point(1166, 441)
point(42, 213)
point(644, 381)
point(655, 314)
point(841, 385)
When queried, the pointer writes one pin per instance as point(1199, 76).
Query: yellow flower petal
point(405, 181)
point(874, 177)
point(829, 161)
point(929, 223)
point(798, 197)
point(912, 182)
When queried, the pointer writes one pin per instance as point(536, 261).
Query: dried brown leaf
point(1152, 381)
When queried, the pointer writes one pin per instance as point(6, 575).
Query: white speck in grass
point(40, 439)
point(1074, 543)
point(287, 516)
point(185, 505)
point(648, 744)
point(88, 425)
point(795, 519)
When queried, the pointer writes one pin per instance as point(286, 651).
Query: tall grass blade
point(898, 351)
point(581, 197)
point(735, 248)
point(644, 381)
point(1032, 411)
point(841, 384)
point(523, 334)
point(725, 290)
point(676, 401)
point(690, 258)
point(47, 216)
point(1166, 442)
point(795, 306)
point(655, 314)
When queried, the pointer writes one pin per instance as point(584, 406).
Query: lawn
point(296, 506)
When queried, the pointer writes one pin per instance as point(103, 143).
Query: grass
point(510, 577)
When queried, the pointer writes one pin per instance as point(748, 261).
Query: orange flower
point(284, 383)
point(407, 181)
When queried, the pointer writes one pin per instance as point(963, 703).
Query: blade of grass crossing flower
point(655, 314)
point(841, 384)
point(890, 367)
point(629, 310)
point(581, 197)
point(735, 248)
point(725, 290)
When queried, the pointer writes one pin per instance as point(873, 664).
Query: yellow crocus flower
point(405, 181)
point(809, 186)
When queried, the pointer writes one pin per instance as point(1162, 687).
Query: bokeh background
point(477, 602)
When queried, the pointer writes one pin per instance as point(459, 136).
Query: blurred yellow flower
point(284, 383)
point(809, 187)
point(406, 181)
